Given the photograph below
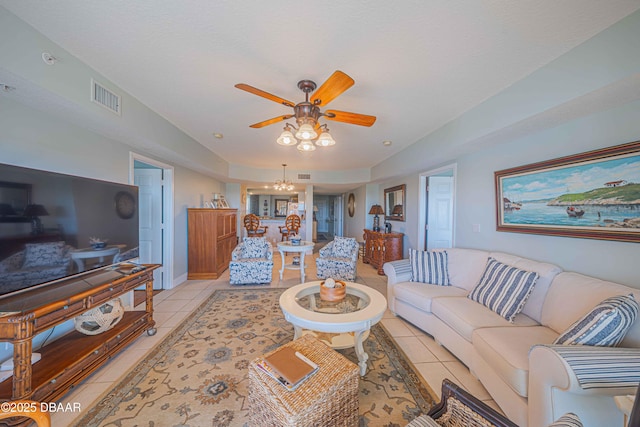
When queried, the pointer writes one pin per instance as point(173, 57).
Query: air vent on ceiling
point(304, 176)
point(104, 97)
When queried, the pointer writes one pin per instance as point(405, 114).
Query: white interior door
point(439, 212)
point(149, 182)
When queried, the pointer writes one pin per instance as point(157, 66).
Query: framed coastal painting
point(593, 195)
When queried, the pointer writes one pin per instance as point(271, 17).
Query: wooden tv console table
point(74, 356)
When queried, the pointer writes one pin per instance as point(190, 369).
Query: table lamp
point(34, 212)
point(376, 210)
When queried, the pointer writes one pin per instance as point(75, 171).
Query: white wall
point(584, 100)
point(616, 261)
point(475, 201)
point(354, 226)
point(39, 140)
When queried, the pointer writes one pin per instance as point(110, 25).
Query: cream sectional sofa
point(532, 381)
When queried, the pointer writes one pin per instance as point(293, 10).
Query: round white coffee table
point(340, 324)
point(301, 248)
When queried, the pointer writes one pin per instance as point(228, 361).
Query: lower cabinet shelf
point(69, 359)
point(74, 356)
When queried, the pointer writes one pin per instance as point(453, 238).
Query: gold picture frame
point(591, 195)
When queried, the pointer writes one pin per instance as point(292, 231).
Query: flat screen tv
point(54, 226)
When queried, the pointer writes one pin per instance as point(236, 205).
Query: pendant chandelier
point(283, 185)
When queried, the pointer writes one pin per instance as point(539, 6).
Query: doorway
point(329, 216)
point(437, 208)
point(155, 190)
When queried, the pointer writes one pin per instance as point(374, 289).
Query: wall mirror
point(281, 208)
point(14, 198)
point(394, 203)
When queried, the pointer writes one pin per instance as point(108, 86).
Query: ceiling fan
point(307, 113)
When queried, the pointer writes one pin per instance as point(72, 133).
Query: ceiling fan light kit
point(306, 132)
point(286, 137)
point(308, 113)
point(305, 146)
point(325, 139)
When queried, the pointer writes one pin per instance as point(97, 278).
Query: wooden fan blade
point(334, 86)
point(353, 118)
point(264, 94)
point(271, 121)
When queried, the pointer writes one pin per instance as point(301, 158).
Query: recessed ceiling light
point(218, 135)
point(49, 59)
point(387, 143)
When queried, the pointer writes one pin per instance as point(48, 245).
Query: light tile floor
point(172, 306)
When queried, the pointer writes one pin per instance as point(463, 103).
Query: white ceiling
point(417, 64)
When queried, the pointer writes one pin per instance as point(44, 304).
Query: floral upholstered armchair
point(251, 262)
point(338, 259)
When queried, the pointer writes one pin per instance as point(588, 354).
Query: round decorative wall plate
point(125, 204)
point(351, 204)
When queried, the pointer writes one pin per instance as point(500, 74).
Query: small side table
point(302, 248)
point(327, 398)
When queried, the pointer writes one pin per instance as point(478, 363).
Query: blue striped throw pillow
point(605, 325)
point(429, 267)
point(504, 289)
point(567, 420)
point(423, 421)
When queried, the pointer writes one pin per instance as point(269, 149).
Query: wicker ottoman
point(328, 398)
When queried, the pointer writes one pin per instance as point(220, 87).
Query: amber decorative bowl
point(333, 294)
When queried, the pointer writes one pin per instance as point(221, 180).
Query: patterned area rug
point(197, 376)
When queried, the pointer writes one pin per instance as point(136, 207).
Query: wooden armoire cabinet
point(212, 237)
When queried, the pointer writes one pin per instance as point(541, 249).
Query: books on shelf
point(288, 367)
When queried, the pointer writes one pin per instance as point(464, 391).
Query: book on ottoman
point(290, 366)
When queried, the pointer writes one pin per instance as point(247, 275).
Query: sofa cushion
point(464, 316)
point(43, 254)
point(429, 267)
point(546, 273)
point(507, 351)
point(466, 266)
point(503, 288)
point(343, 247)
point(420, 295)
point(254, 247)
point(605, 325)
